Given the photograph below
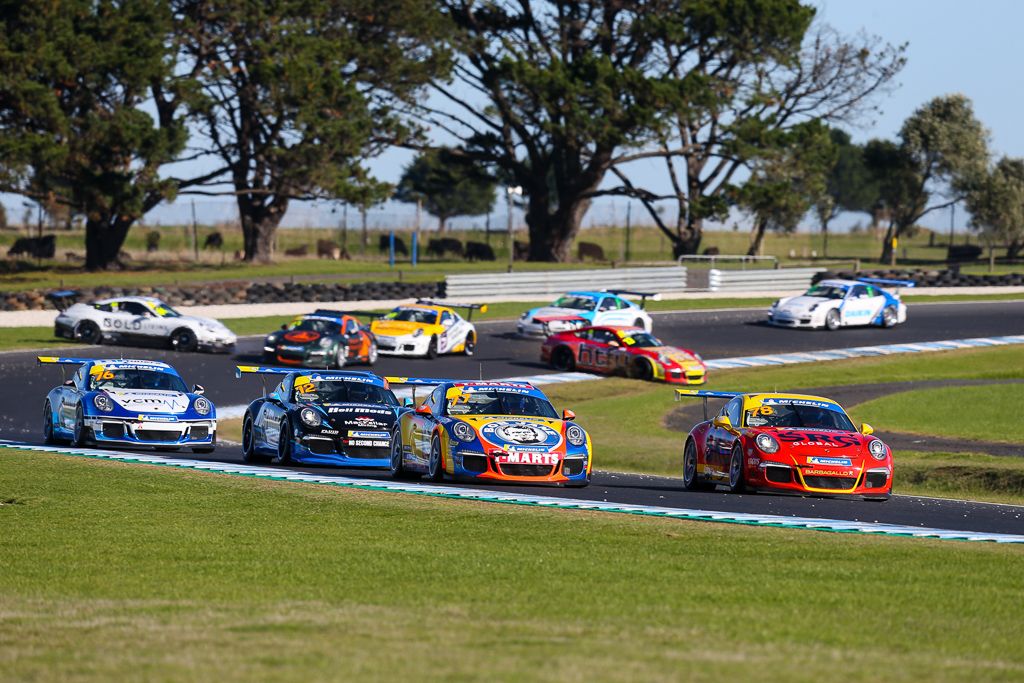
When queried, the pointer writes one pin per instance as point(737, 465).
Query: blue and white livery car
point(832, 304)
point(127, 403)
point(577, 309)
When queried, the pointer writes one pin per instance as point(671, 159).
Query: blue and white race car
point(841, 303)
point(577, 309)
point(127, 403)
point(343, 418)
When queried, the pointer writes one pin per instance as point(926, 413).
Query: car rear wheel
point(562, 359)
point(889, 317)
point(832, 320)
point(284, 444)
point(184, 339)
point(737, 480)
point(435, 468)
point(88, 332)
point(398, 470)
point(48, 424)
point(249, 453)
point(639, 323)
point(691, 482)
point(432, 348)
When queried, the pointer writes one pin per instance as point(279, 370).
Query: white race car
point(139, 320)
point(840, 303)
point(586, 308)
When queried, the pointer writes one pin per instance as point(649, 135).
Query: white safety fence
point(768, 280)
point(662, 280)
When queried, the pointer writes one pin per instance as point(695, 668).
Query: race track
point(713, 334)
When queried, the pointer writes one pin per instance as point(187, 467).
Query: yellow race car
point(426, 329)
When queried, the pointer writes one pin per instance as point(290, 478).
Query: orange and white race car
point(427, 329)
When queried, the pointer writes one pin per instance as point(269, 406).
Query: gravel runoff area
point(683, 417)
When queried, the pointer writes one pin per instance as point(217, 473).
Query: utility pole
point(195, 233)
point(511, 190)
point(629, 215)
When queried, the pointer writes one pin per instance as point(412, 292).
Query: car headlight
point(202, 405)
point(775, 304)
point(325, 342)
point(877, 449)
point(698, 357)
point(813, 306)
point(103, 402)
point(575, 435)
point(309, 417)
point(463, 431)
point(767, 443)
point(418, 332)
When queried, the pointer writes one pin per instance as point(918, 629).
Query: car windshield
point(326, 327)
point(164, 311)
point(498, 402)
point(641, 340)
point(343, 391)
point(132, 378)
point(413, 315)
point(798, 416)
point(826, 291)
point(579, 303)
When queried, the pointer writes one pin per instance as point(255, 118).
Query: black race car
point(321, 418)
point(321, 339)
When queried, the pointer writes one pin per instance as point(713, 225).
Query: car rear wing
point(469, 308)
point(62, 360)
point(63, 299)
point(705, 394)
point(416, 382)
point(644, 296)
point(353, 314)
point(887, 283)
point(575, 321)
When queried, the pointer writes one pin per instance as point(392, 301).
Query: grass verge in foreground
point(111, 571)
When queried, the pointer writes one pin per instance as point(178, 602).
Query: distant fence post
point(415, 247)
point(391, 249)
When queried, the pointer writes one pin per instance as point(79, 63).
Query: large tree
point(763, 69)
point(91, 107)
point(447, 185)
point(942, 150)
point(995, 201)
point(849, 185)
point(300, 93)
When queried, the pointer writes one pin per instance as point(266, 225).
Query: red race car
point(629, 351)
point(784, 442)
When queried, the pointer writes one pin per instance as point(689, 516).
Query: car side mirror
point(722, 421)
point(568, 415)
point(275, 397)
point(408, 402)
point(424, 410)
point(198, 389)
point(866, 429)
point(69, 382)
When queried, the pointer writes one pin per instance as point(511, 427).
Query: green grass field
point(984, 413)
point(112, 572)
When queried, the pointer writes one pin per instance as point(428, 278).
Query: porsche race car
point(138, 320)
point(328, 339)
point(784, 442)
point(832, 304)
point(343, 418)
point(491, 431)
point(629, 351)
point(579, 309)
point(427, 329)
point(127, 403)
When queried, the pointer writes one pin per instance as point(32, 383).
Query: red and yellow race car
point(784, 442)
point(629, 351)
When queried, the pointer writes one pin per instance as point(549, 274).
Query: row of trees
point(109, 107)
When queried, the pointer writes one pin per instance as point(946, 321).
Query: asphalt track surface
point(715, 334)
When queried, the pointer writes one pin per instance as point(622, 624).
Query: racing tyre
point(639, 323)
point(371, 355)
point(48, 436)
point(690, 480)
point(249, 453)
point(641, 369)
point(470, 346)
point(284, 444)
point(563, 359)
point(88, 332)
point(737, 483)
point(341, 356)
point(832, 320)
point(889, 317)
point(398, 470)
point(432, 348)
point(435, 468)
point(78, 435)
point(184, 339)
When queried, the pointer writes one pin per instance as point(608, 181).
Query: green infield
point(983, 413)
point(111, 571)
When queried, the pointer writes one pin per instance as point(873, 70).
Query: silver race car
point(137, 320)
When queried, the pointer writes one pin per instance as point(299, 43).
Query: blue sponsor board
point(838, 462)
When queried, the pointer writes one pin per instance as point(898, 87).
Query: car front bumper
point(568, 470)
point(875, 482)
point(133, 432)
point(403, 346)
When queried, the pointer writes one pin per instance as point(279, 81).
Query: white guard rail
point(768, 280)
point(662, 280)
